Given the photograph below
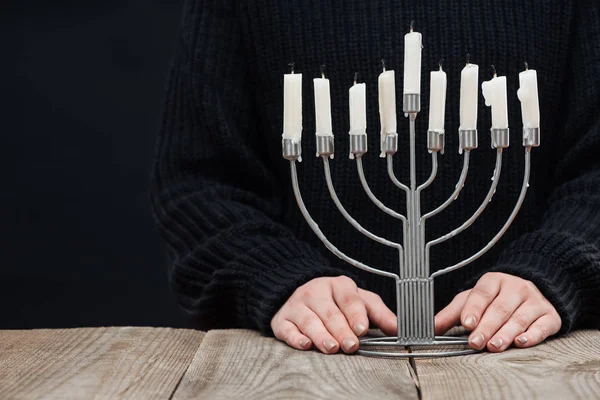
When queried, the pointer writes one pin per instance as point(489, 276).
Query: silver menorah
point(414, 280)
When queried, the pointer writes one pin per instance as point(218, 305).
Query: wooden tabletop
point(162, 363)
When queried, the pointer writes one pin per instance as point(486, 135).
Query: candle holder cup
point(413, 280)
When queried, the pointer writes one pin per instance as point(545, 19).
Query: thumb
point(379, 313)
point(449, 317)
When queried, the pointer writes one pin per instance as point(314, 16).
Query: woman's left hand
point(501, 309)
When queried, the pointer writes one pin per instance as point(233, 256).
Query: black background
point(81, 92)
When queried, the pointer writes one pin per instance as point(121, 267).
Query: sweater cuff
point(294, 264)
point(554, 262)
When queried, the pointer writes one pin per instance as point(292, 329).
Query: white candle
point(494, 92)
point(528, 95)
point(387, 103)
point(292, 107)
point(437, 100)
point(322, 107)
point(412, 63)
point(469, 85)
point(358, 109)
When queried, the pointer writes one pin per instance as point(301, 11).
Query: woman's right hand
point(330, 313)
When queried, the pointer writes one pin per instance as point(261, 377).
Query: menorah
point(414, 280)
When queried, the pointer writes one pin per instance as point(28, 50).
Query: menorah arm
point(345, 213)
point(434, 168)
point(395, 181)
point(372, 197)
point(315, 227)
point(502, 231)
point(477, 213)
point(457, 190)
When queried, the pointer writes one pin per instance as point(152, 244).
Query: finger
point(335, 322)
point(495, 316)
point(311, 326)
point(518, 323)
point(353, 307)
point(546, 325)
point(480, 297)
point(289, 333)
point(379, 313)
point(449, 317)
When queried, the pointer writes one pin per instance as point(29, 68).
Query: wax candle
point(528, 95)
point(292, 106)
point(412, 63)
point(358, 109)
point(322, 107)
point(494, 92)
point(469, 82)
point(387, 103)
point(437, 100)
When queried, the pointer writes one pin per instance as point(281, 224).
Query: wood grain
point(100, 363)
point(563, 368)
point(242, 364)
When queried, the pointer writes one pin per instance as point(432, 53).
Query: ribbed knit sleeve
point(562, 257)
point(232, 263)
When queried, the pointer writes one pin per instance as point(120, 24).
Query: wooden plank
point(563, 368)
point(99, 363)
point(237, 364)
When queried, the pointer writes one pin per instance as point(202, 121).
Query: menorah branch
point(348, 217)
point(502, 231)
point(315, 227)
point(478, 212)
point(444, 205)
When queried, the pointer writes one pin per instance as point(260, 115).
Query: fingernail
point(497, 343)
point(304, 342)
point(348, 344)
point(522, 339)
point(329, 345)
point(470, 322)
point(359, 329)
point(477, 340)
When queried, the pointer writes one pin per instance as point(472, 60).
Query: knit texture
point(237, 244)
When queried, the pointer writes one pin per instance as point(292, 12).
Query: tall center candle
point(412, 63)
point(494, 92)
point(322, 107)
point(292, 107)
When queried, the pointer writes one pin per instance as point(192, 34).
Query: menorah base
point(415, 348)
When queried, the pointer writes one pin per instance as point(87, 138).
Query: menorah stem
point(419, 238)
point(502, 231)
point(315, 228)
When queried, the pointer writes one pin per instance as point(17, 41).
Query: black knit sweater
point(237, 244)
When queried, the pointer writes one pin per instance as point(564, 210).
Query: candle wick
point(323, 71)
point(292, 65)
point(355, 77)
point(412, 24)
point(383, 64)
point(468, 58)
point(526, 66)
point(440, 64)
point(494, 69)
